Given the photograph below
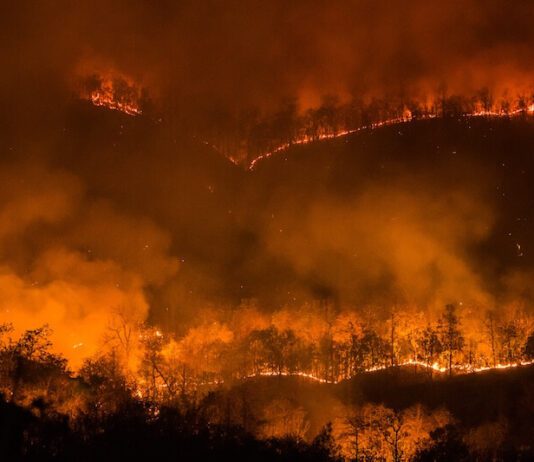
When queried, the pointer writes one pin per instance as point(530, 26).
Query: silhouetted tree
point(447, 445)
point(430, 345)
point(529, 347)
point(451, 336)
point(324, 445)
point(29, 363)
point(490, 329)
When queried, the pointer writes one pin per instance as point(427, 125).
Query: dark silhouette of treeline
point(49, 413)
point(133, 432)
point(246, 134)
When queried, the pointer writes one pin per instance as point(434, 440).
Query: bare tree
point(490, 330)
point(451, 337)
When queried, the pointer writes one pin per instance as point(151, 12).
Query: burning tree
point(430, 346)
point(451, 336)
point(113, 91)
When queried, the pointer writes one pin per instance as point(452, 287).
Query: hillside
point(226, 223)
point(472, 399)
point(445, 164)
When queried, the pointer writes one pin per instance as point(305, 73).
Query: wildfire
point(107, 96)
point(407, 116)
point(112, 91)
point(458, 368)
point(106, 100)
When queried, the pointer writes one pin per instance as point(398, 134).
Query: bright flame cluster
point(106, 96)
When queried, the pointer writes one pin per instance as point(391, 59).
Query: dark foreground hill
point(227, 424)
point(472, 399)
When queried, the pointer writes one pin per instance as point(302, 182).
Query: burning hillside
point(114, 92)
point(326, 132)
point(266, 231)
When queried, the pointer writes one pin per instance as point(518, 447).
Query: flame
point(458, 368)
point(202, 380)
point(110, 89)
point(105, 100)
point(107, 96)
point(407, 116)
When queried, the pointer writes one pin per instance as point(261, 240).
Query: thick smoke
point(386, 245)
point(71, 262)
point(102, 213)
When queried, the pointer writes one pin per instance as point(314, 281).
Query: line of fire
point(267, 231)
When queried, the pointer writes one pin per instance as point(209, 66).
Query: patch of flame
point(406, 117)
point(458, 368)
point(106, 96)
point(110, 89)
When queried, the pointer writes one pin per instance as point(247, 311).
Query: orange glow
point(109, 88)
point(328, 136)
point(406, 117)
point(463, 369)
point(107, 96)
